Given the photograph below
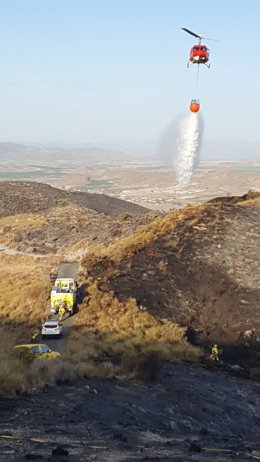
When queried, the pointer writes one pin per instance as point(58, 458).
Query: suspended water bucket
point(194, 105)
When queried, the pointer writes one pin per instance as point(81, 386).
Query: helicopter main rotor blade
point(191, 33)
point(212, 40)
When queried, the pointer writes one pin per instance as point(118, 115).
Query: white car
point(51, 328)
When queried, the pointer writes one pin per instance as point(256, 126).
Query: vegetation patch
point(129, 245)
point(19, 372)
point(13, 227)
point(24, 220)
point(25, 289)
point(113, 338)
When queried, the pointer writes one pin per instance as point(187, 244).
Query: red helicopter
point(199, 54)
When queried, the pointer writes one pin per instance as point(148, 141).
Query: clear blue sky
point(115, 70)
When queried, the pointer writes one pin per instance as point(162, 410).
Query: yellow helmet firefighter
point(34, 337)
point(214, 353)
point(62, 312)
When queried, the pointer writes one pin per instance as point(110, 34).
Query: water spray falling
point(186, 158)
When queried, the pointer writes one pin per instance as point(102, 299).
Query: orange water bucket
point(194, 106)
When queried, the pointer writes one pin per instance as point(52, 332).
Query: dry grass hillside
point(151, 282)
point(198, 267)
point(118, 338)
point(67, 228)
point(24, 303)
point(37, 218)
point(24, 287)
point(23, 197)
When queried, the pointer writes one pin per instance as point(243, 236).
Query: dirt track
point(68, 270)
point(65, 270)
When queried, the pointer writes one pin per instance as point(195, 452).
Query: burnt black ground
point(188, 410)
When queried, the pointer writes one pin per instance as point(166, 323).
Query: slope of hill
point(199, 267)
point(141, 278)
point(31, 197)
point(41, 219)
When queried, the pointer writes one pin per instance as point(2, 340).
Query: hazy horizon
point(211, 149)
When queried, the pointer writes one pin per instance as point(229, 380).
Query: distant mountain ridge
point(69, 152)
point(31, 154)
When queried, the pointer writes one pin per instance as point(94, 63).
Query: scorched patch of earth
point(189, 414)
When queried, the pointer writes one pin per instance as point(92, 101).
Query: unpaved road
point(187, 409)
point(10, 251)
point(68, 270)
point(65, 270)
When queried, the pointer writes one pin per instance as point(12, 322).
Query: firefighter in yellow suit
point(214, 353)
point(62, 312)
point(34, 337)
